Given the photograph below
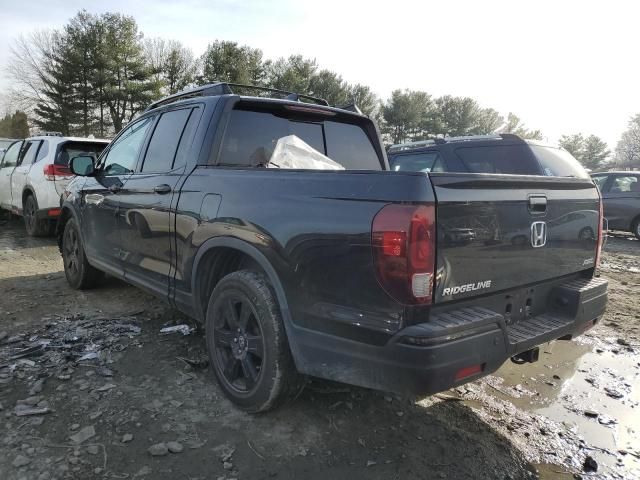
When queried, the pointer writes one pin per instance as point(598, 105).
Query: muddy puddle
point(590, 387)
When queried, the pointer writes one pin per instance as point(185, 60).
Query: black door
point(100, 197)
point(146, 217)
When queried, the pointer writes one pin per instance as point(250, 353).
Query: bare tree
point(628, 148)
point(514, 125)
point(27, 68)
point(171, 63)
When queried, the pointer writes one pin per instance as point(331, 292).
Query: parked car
point(621, 197)
point(4, 144)
point(34, 173)
point(344, 274)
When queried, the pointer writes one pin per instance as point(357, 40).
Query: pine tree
point(58, 108)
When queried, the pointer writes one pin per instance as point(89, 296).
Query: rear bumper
point(426, 358)
point(48, 213)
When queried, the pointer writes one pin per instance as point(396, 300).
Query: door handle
point(114, 188)
point(162, 189)
point(537, 204)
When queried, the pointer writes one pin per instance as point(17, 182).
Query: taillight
point(600, 231)
point(51, 171)
point(403, 239)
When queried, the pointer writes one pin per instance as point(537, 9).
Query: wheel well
point(633, 222)
point(65, 215)
point(27, 192)
point(215, 265)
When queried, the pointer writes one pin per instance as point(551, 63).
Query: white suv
point(33, 174)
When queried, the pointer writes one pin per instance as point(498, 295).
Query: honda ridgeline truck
point(401, 281)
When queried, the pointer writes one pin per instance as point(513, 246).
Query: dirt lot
point(97, 385)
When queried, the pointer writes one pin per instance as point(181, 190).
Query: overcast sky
point(562, 66)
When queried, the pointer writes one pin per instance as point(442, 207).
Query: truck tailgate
point(498, 232)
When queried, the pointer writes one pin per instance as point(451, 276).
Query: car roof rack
point(48, 134)
point(224, 88)
point(399, 147)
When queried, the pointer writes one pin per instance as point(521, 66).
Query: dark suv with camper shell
point(337, 267)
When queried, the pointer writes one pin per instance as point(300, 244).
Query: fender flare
point(67, 207)
point(259, 257)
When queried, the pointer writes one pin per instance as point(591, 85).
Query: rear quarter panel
point(315, 230)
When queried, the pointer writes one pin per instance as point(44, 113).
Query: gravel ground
point(98, 392)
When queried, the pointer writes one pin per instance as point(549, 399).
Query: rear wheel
point(35, 227)
point(635, 228)
point(80, 275)
point(247, 343)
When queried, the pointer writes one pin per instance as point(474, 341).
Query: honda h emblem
point(538, 234)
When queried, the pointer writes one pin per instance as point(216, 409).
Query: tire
point(635, 227)
point(247, 343)
point(80, 275)
point(35, 227)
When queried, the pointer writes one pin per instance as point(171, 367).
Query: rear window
point(250, 138)
point(78, 149)
point(502, 159)
point(557, 162)
point(417, 162)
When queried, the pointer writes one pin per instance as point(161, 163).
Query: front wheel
point(247, 343)
point(80, 275)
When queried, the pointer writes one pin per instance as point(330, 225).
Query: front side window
point(123, 154)
point(164, 141)
point(625, 184)
point(11, 155)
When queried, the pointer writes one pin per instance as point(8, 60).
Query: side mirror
point(83, 166)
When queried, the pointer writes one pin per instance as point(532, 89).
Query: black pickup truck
point(395, 280)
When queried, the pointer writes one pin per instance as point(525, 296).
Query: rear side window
point(78, 149)
point(44, 150)
point(625, 185)
point(502, 159)
point(251, 137)
point(417, 162)
point(164, 141)
point(557, 162)
point(28, 154)
point(187, 138)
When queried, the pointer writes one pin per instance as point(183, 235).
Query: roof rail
point(441, 140)
point(48, 134)
point(398, 147)
point(469, 138)
point(224, 88)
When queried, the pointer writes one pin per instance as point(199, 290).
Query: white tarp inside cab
point(293, 152)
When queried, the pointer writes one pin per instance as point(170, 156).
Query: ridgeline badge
point(469, 287)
